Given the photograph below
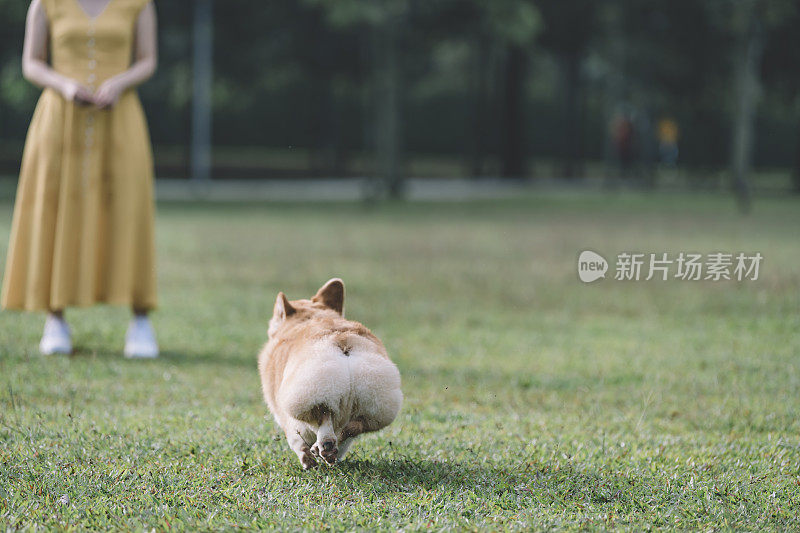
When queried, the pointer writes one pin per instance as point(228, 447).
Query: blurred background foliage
point(468, 88)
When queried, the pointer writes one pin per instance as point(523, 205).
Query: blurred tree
point(500, 39)
point(498, 82)
point(441, 28)
point(781, 74)
point(385, 21)
point(569, 28)
point(511, 23)
point(514, 24)
point(748, 23)
point(451, 50)
point(202, 88)
point(15, 93)
point(662, 59)
point(293, 82)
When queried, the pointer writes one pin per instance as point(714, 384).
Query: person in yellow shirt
point(668, 141)
point(82, 230)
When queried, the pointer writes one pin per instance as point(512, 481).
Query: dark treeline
point(515, 88)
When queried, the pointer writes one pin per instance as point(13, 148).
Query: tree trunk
point(513, 121)
point(324, 125)
point(747, 83)
point(338, 143)
point(480, 124)
point(614, 84)
point(572, 146)
point(796, 173)
point(388, 136)
point(202, 66)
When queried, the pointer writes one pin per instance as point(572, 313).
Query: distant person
point(622, 135)
point(82, 231)
point(668, 141)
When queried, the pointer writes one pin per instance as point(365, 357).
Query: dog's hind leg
point(343, 447)
point(353, 429)
point(326, 445)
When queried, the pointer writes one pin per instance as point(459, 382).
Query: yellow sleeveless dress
point(82, 231)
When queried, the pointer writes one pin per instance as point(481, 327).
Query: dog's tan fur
point(326, 379)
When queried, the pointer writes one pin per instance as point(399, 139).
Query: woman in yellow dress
point(82, 231)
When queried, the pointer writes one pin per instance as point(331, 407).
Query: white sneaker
point(140, 340)
point(56, 337)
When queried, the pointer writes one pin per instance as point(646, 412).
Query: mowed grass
point(532, 399)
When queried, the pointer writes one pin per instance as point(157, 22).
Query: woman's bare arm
point(34, 59)
point(144, 61)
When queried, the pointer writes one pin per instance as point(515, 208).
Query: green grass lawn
point(532, 400)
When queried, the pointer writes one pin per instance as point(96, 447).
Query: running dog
point(325, 379)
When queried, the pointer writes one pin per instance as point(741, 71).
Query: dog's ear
point(283, 308)
point(331, 295)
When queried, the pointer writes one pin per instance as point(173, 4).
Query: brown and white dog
point(326, 379)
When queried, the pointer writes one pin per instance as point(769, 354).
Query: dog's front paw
point(308, 461)
point(307, 458)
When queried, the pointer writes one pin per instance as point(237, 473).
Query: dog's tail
point(360, 342)
point(345, 342)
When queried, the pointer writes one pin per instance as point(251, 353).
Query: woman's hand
point(34, 59)
point(143, 66)
point(72, 91)
point(108, 93)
